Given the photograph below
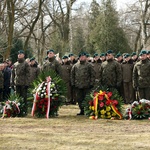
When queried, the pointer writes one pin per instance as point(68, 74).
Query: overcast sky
point(120, 3)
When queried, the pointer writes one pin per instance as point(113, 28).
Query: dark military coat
point(53, 64)
point(20, 73)
point(111, 74)
point(34, 72)
point(141, 74)
point(97, 68)
point(127, 71)
point(82, 75)
point(66, 72)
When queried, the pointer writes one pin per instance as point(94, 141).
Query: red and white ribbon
point(35, 99)
point(48, 104)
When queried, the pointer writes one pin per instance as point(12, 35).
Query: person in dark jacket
point(141, 76)
point(34, 69)
point(102, 57)
point(83, 79)
point(127, 71)
point(52, 63)
point(66, 71)
point(7, 76)
point(72, 59)
point(97, 67)
point(134, 57)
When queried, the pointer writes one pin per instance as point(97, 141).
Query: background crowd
point(128, 73)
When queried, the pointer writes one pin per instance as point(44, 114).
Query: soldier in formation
point(20, 78)
point(82, 79)
point(34, 69)
point(141, 76)
point(111, 75)
point(66, 71)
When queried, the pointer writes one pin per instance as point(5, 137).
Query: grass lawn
point(71, 132)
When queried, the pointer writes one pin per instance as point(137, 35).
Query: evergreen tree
point(107, 33)
point(18, 45)
point(78, 41)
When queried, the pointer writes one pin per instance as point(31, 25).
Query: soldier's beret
point(32, 58)
point(133, 54)
point(82, 54)
point(71, 54)
point(102, 54)
point(65, 57)
point(118, 55)
point(95, 55)
point(143, 52)
point(50, 50)
point(87, 55)
point(126, 55)
point(148, 52)
point(21, 52)
point(109, 52)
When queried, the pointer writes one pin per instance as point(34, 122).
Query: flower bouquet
point(48, 92)
point(104, 104)
point(12, 107)
point(138, 110)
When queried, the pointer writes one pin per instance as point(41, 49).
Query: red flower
point(100, 97)
point(101, 104)
point(115, 102)
point(108, 102)
point(138, 112)
point(109, 94)
point(95, 93)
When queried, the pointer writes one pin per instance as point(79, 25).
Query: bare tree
point(136, 23)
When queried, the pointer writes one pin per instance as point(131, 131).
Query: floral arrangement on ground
point(13, 107)
point(138, 110)
point(49, 91)
point(103, 103)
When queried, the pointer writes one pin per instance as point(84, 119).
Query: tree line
point(38, 25)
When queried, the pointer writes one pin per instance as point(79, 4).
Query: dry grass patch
point(71, 132)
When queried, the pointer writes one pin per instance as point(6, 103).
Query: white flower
point(42, 91)
point(18, 104)
point(45, 83)
point(42, 95)
point(44, 88)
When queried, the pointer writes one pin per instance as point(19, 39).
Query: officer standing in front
point(82, 78)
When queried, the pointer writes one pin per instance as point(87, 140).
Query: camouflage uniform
point(20, 78)
point(111, 74)
point(141, 78)
point(1, 85)
point(97, 68)
point(34, 72)
point(83, 79)
point(127, 70)
point(66, 71)
point(53, 64)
